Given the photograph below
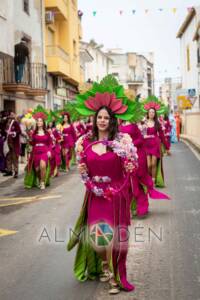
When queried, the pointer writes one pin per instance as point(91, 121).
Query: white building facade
point(189, 57)
point(97, 64)
point(135, 72)
point(168, 92)
point(22, 19)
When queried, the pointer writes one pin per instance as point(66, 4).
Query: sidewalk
point(21, 172)
point(192, 140)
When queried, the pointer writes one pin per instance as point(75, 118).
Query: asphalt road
point(163, 260)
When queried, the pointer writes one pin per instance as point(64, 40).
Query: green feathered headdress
point(53, 116)
point(106, 93)
point(155, 103)
point(40, 112)
point(70, 107)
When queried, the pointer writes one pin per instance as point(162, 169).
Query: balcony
point(135, 80)
point(57, 61)
point(59, 7)
point(30, 78)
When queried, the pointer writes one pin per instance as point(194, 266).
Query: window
point(188, 58)
point(198, 55)
point(74, 48)
point(26, 6)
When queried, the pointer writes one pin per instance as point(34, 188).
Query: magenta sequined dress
point(69, 137)
point(41, 145)
point(106, 216)
point(153, 142)
point(141, 177)
point(167, 133)
point(55, 149)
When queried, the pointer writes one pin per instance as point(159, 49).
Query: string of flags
point(121, 12)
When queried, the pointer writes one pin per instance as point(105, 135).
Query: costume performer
point(142, 182)
point(56, 138)
point(38, 168)
point(178, 125)
point(173, 137)
point(167, 131)
point(68, 141)
point(154, 137)
point(106, 159)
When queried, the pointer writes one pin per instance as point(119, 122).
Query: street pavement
point(163, 260)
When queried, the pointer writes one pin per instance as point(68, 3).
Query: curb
point(194, 145)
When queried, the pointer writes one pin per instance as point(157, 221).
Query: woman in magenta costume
point(41, 149)
point(167, 132)
point(68, 141)
point(141, 174)
point(106, 159)
point(89, 124)
point(80, 128)
point(141, 178)
point(154, 136)
point(56, 138)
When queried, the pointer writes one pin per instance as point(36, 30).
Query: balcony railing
point(33, 75)
point(57, 51)
point(135, 79)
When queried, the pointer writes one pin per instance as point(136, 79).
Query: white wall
point(120, 66)
point(31, 25)
point(189, 78)
point(6, 27)
point(97, 69)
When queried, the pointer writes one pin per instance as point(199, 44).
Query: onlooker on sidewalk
point(2, 140)
point(23, 140)
point(13, 132)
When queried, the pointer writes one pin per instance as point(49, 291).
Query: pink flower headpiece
point(152, 104)
point(40, 115)
point(108, 100)
point(64, 113)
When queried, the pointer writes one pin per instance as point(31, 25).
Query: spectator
point(13, 132)
point(20, 59)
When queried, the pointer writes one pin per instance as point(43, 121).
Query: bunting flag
point(190, 9)
point(147, 10)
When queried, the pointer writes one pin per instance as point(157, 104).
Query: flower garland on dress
point(122, 146)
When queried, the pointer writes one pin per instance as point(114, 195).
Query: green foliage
point(110, 85)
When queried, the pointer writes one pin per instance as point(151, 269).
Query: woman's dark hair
point(68, 118)
point(113, 125)
point(157, 123)
point(53, 125)
point(166, 117)
point(44, 128)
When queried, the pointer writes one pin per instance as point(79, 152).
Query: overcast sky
point(140, 32)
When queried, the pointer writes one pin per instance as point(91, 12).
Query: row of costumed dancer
point(52, 139)
point(119, 153)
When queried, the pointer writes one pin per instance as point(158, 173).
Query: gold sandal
point(105, 275)
point(114, 288)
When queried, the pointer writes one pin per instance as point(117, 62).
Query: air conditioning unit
point(49, 17)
